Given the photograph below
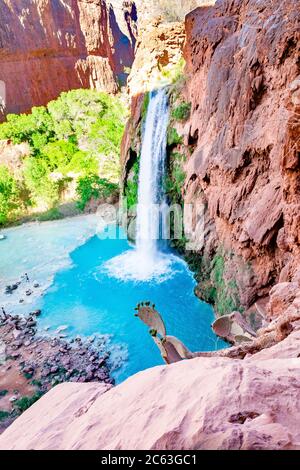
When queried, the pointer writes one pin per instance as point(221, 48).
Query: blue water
point(86, 298)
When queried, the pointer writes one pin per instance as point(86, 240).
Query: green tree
point(38, 181)
point(8, 193)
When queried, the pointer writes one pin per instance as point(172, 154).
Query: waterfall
point(146, 262)
point(151, 198)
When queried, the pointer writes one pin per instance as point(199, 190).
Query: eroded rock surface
point(243, 65)
point(48, 47)
point(203, 403)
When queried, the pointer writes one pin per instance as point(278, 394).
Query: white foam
point(132, 266)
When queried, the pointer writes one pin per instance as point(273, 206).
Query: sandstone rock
point(220, 404)
point(48, 47)
point(233, 328)
point(281, 297)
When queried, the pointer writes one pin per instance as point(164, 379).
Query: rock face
point(204, 403)
point(159, 45)
point(48, 47)
point(243, 66)
point(241, 144)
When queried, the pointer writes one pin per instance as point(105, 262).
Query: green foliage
point(223, 293)
point(25, 402)
point(173, 137)
point(75, 136)
point(3, 393)
point(132, 185)
point(145, 105)
point(37, 179)
point(93, 186)
point(4, 415)
point(35, 128)
point(51, 214)
point(182, 112)
point(175, 178)
point(174, 74)
point(8, 193)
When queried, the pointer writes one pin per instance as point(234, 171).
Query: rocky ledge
point(204, 403)
point(31, 364)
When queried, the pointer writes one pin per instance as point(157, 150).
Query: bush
point(173, 137)
point(51, 214)
point(4, 415)
point(37, 179)
point(175, 178)
point(8, 193)
point(25, 402)
point(182, 112)
point(36, 128)
point(132, 185)
point(93, 186)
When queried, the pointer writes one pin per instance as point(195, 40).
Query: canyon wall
point(241, 146)
point(47, 47)
point(244, 87)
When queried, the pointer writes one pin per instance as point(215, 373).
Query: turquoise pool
point(87, 298)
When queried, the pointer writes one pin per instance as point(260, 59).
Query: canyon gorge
point(234, 139)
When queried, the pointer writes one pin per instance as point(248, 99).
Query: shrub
point(37, 179)
point(182, 112)
point(175, 178)
point(93, 186)
point(132, 185)
point(173, 137)
point(51, 214)
point(8, 193)
point(25, 402)
point(4, 415)
point(35, 128)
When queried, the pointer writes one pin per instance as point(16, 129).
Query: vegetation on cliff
point(75, 139)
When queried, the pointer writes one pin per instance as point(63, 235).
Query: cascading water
point(147, 262)
point(151, 198)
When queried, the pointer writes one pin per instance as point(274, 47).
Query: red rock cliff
point(244, 86)
point(47, 47)
point(242, 147)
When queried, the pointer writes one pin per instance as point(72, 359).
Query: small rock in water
point(36, 313)
point(36, 285)
point(62, 328)
point(21, 301)
point(28, 292)
point(13, 398)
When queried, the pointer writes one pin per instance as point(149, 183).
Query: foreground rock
point(204, 403)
